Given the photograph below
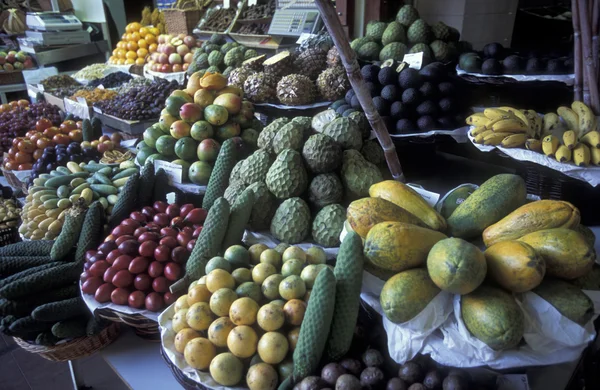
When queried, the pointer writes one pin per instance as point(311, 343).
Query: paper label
point(40, 87)
point(35, 76)
point(414, 60)
point(512, 382)
point(226, 3)
point(100, 86)
point(78, 108)
point(173, 171)
point(303, 37)
point(252, 2)
point(430, 197)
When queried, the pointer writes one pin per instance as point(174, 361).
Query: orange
point(116, 51)
point(135, 26)
point(153, 47)
point(143, 31)
point(131, 55)
point(112, 59)
point(128, 28)
point(142, 44)
point(124, 36)
point(121, 61)
point(129, 61)
point(142, 53)
point(135, 36)
point(150, 38)
point(132, 46)
point(140, 61)
point(154, 31)
point(121, 53)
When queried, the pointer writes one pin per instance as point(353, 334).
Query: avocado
point(426, 123)
point(470, 62)
point(435, 72)
point(428, 90)
point(370, 72)
point(340, 110)
point(447, 122)
point(349, 95)
point(428, 107)
point(398, 110)
point(513, 64)
point(405, 126)
point(387, 76)
point(491, 66)
point(411, 97)
point(446, 88)
point(355, 103)
point(534, 66)
point(374, 88)
point(447, 106)
point(381, 105)
point(409, 78)
point(555, 66)
point(494, 50)
point(391, 93)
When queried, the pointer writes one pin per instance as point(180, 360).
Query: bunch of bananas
point(570, 134)
point(9, 213)
point(115, 157)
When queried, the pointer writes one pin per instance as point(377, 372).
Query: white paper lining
point(251, 238)
point(459, 134)
point(151, 75)
point(284, 107)
point(93, 305)
point(568, 79)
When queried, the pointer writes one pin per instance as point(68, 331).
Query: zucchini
point(126, 202)
point(56, 173)
point(93, 167)
point(28, 324)
point(51, 203)
point(120, 182)
point(63, 191)
point(125, 173)
point(27, 248)
point(40, 194)
point(28, 271)
point(102, 178)
point(91, 231)
point(69, 234)
point(77, 182)
point(46, 339)
point(41, 281)
point(44, 198)
point(104, 189)
point(70, 329)
point(61, 310)
point(64, 204)
point(12, 264)
point(146, 188)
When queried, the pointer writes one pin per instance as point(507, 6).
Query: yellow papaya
point(531, 217)
point(398, 246)
point(569, 300)
point(515, 265)
point(402, 195)
point(365, 213)
point(567, 253)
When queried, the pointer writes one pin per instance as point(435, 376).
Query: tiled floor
point(21, 370)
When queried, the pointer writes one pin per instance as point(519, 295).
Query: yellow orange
point(135, 36)
point(142, 44)
point(116, 51)
point(154, 31)
point(121, 61)
point(132, 46)
point(153, 47)
point(124, 36)
point(128, 28)
point(129, 61)
point(131, 55)
point(150, 38)
point(140, 61)
point(143, 31)
point(142, 53)
point(135, 26)
point(121, 54)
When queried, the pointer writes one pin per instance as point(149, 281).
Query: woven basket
point(7, 78)
point(142, 326)
point(183, 380)
point(9, 235)
point(179, 21)
point(74, 349)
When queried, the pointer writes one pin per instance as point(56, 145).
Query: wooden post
point(595, 33)
point(591, 80)
point(577, 60)
point(358, 84)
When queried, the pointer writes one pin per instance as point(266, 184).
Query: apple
point(161, 39)
point(8, 67)
point(155, 67)
point(182, 50)
point(185, 67)
point(163, 58)
point(2, 59)
point(177, 68)
point(189, 40)
point(18, 65)
point(169, 49)
point(166, 68)
point(10, 58)
point(188, 58)
point(21, 57)
point(175, 58)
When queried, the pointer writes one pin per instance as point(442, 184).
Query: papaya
point(456, 265)
point(376, 271)
point(515, 266)
point(589, 235)
point(569, 300)
point(404, 196)
point(566, 252)
point(365, 213)
point(531, 217)
point(452, 199)
point(406, 294)
point(492, 315)
point(589, 281)
point(398, 246)
point(488, 204)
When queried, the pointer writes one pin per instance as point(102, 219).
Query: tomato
point(31, 133)
point(42, 124)
point(67, 126)
point(35, 137)
point(26, 146)
point(12, 152)
point(11, 165)
point(25, 167)
point(22, 157)
point(16, 141)
point(51, 132)
point(5, 107)
point(23, 103)
point(43, 143)
point(61, 139)
point(76, 135)
point(79, 124)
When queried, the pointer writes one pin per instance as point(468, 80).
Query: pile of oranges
point(135, 45)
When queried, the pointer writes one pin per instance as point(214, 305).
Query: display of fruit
point(95, 95)
point(251, 304)
point(111, 80)
point(142, 103)
point(217, 19)
point(409, 34)
point(173, 54)
point(15, 61)
point(261, 10)
point(59, 81)
point(53, 194)
point(91, 72)
point(570, 135)
point(59, 155)
point(218, 55)
point(27, 151)
point(195, 122)
point(9, 212)
point(18, 117)
point(136, 44)
point(143, 256)
point(495, 59)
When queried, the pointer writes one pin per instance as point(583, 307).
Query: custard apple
point(358, 175)
point(256, 166)
point(328, 224)
point(287, 177)
point(264, 207)
point(325, 189)
point(322, 154)
point(291, 222)
point(344, 131)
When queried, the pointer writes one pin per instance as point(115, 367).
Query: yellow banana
point(581, 155)
point(514, 140)
point(512, 125)
point(534, 145)
point(569, 139)
point(550, 122)
point(495, 113)
point(550, 145)
point(477, 119)
point(480, 137)
point(478, 130)
point(595, 156)
point(591, 139)
point(535, 122)
point(570, 117)
point(585, 115)
point(495, 139)
point(563, 154)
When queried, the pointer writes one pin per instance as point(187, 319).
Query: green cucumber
point(27, 248)
point(92, 167)
point(12, 264)
point(51, 203)
point(127, 200)
point(102, 178)
point(56, 174)
point(61, 310)
point(91, 231)
point(76, 182)
point(45, 176)
point(69, 234)
point(63, 191)
point(106, 170)
point(44, 198)
point(70, 329)
point(58, 181)
point(104, 189)
point(125, 173)
point(42, 281)
point(80, 188)
point(63, 170)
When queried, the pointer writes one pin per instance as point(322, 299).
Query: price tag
point(252, 2)
point(100, 86)
point(226, 3)
point(173, 171)
point(303, 37)
point(35, 76)
point(430, 197)
point(40, 87)
point(414, 60)
point(513, 382)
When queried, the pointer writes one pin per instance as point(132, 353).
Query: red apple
point(177, 68)
point(166, 68)
point(189, 40)
point(163, 58)
point(169, 49)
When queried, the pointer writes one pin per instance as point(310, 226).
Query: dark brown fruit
point(348, 382)
point(372, 378)
point(353, 366)
point(455, 382)
point(417, 386)
point(372, 358)
point(396, 384)
point(331, 372)
point(410, 372)
point(310, 383)
point(433, 380)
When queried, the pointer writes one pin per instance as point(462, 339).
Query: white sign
point(414, 60)
point(173, 171)
point(35, 76)
point(303, 37)
point(78, 108)
point(430, 197)
point(226, 3)
point(252, 2)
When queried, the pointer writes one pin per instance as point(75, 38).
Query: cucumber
point(27, 272)
point(87, 131)
point(69, 234)
point(28, 324)
point(39, 181)
point(106, 170)
point(96, 325)
point(93, 167)
point(91, 180)
point(44, 198)
point(91, 231)
point(41, 281)
point(32, 190)
point(87, 195)
point(39, 194)
point(104, 189)
point(76, 182)
point(70, 329)
point(125, 173)
point(23, 306)
point(61, 310)
point(112, 199)
point(27, 248)
point(46, 339)
point(219, 179)
point(58, 181)
point(44, 176)
point(120, 182)
point(63, 191)
point(104, 202)
point(12, 264)
point(51, 203)
point(64, 204)
point(73, 198)
point(146, 188)
point(102, 178)
point(63, 170)
point(56, 173)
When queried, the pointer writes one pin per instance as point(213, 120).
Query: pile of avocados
point(409, 100)
point(497, 60)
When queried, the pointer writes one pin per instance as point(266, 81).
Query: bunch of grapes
point(18, 121)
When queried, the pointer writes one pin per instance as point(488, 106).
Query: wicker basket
point(9, 235)
point(7, 78)
point(74, 349)
point(142, 326)
point(183, 380)
point(180, 21)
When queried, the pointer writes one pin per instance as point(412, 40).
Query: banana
point(595, 156)
point(570, 117)
point(591, 139)
point(514, 140)
point(495, 113)
point(569, 139)
point(478, 130)
point(496, 138)
point(480, 137)
point(535, 123)
point(550, 145)
point(512, 125)
point(585, 115)
point(550, 122)
point(477, 119)
point(581, 155)
point(563, 154)
point(534, 145)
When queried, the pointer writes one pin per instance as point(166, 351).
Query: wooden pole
point(588, 63)
point(577, 60)
point(348, 57)
point(595, 32)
